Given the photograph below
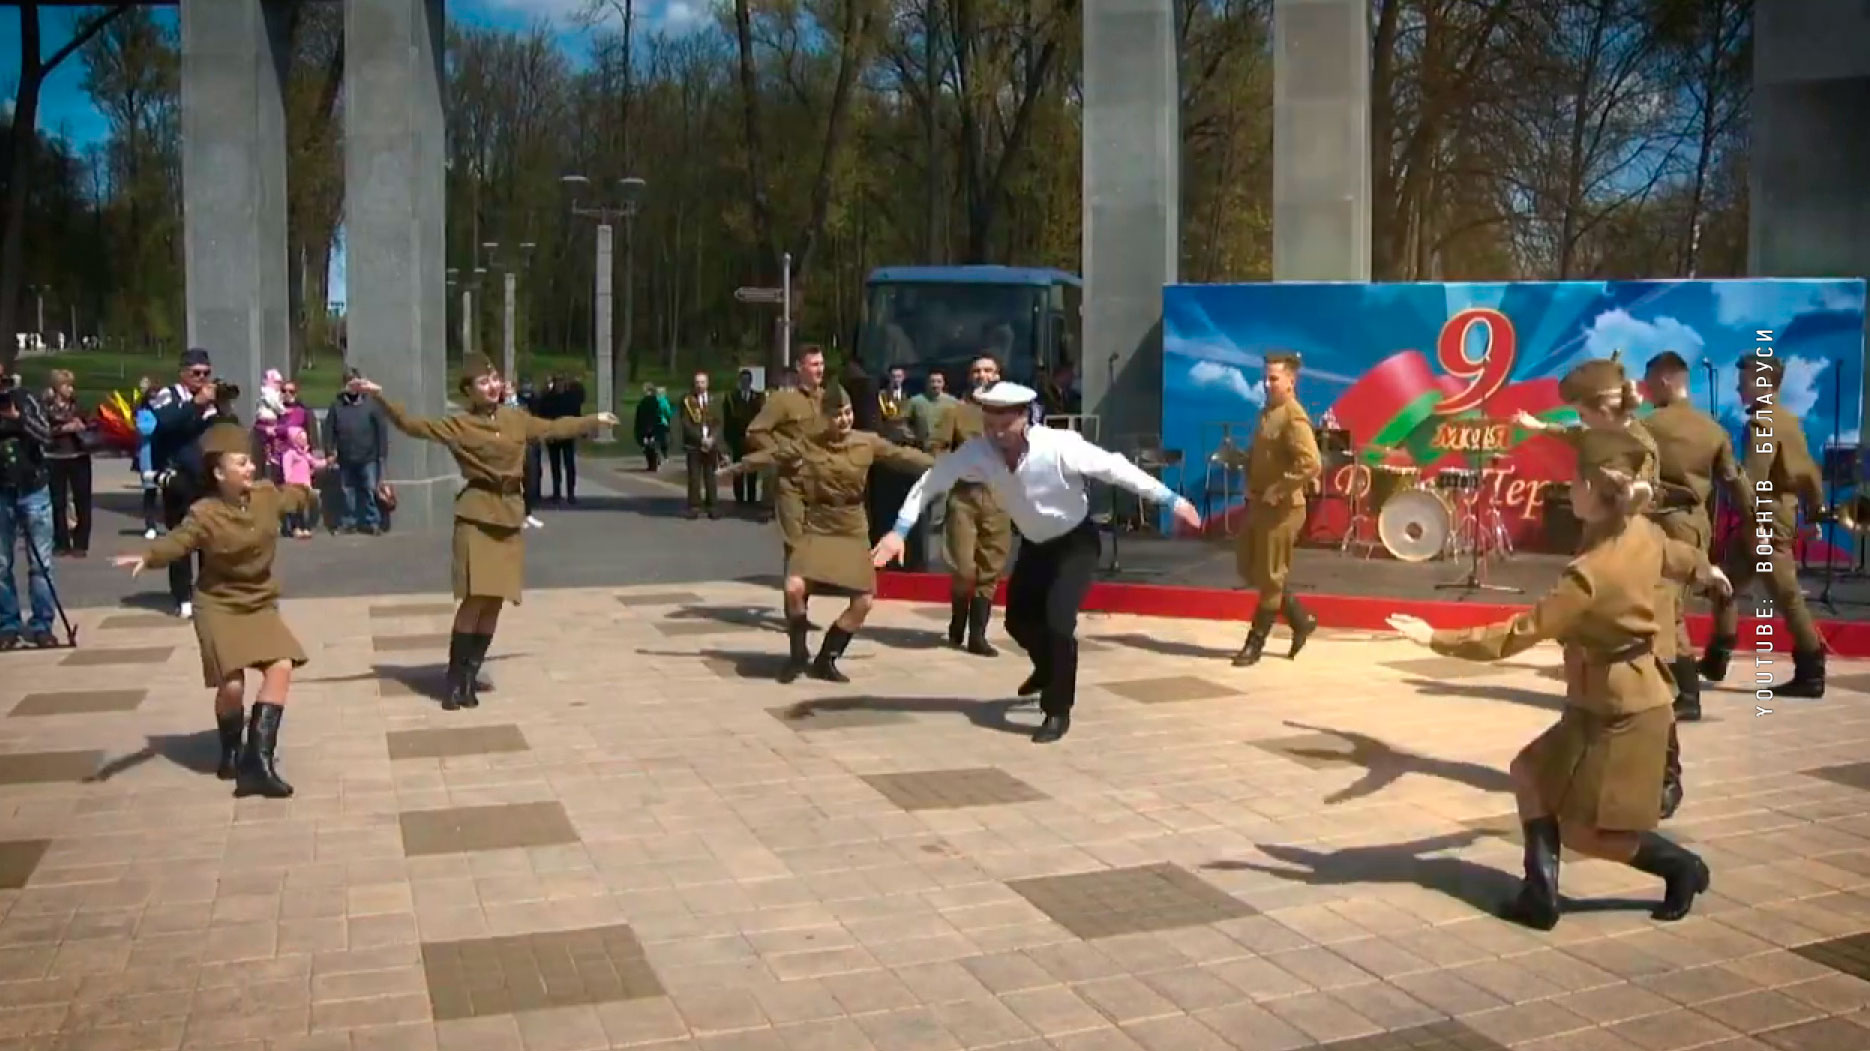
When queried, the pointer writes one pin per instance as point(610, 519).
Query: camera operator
point(25, 508)
point(182, 412)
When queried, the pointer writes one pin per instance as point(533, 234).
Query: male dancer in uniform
point(1281, 464)
point(1780, 464)
point(976, 535)
point(1038, 474)
point(791, 414)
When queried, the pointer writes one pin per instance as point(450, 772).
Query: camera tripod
point(51, 586)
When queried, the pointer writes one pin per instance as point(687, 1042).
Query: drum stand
point(1485, 534)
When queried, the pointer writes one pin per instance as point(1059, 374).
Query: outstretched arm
point(427, 428)
point(1555, 614)
point(564, 428)
point(1094, 461)
point(182, 541)
point(902, 458)
point(937, 480)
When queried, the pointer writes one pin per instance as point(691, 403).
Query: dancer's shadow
point(1384, 765)
point(760, 618)
point(747, 664)
point(151, 601)
point(1551, 702)
point(199, 752)
point(1485, 889)
point(428, 681)
point(988, 715)
point(1168, 647)
point(763, 580)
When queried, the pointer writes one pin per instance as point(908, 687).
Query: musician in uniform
point(791, 414)
point(1780, 465)
point(889, 486)
point(698, 427)
point(977, 536)
point(831, 468)
point(1282, 463)
point(737, 415)
point(488, 443)
point(1591, 782)
point(235, 528)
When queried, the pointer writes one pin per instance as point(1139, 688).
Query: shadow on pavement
point(988, 715)
point(1384, 765)
point(198, 752)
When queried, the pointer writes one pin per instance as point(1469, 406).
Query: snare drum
point(1386, 482)
point(1457, 480)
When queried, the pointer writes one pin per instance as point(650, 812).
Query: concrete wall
point(1321, 140)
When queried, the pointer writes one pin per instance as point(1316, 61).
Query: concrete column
point(397, 287)
point(1321, 140)
point(1810, 195)
point(234, 186)
point(1132, 209)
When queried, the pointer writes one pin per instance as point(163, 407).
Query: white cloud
point(1211, 374)
point(670, 17)
point(1640, 340)
point(1805, 382)
point(1752, 305)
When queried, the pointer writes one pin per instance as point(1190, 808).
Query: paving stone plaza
point(639, 840)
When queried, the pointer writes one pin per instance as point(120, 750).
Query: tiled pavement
point(634, 844)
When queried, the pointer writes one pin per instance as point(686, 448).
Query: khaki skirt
point(233, 642)
point(834, 563)
point(1604, 771)
point(489, 561)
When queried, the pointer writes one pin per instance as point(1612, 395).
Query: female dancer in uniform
point(237, 622)
point(488, 442)
point(831, 468)
point(1592, 781)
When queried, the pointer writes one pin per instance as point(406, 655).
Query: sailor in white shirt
point(1037, 474)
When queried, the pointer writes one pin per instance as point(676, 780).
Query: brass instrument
point(1852, 516)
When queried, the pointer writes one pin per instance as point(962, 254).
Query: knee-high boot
point(800, 656)
point(457, 685)
point(1255, 645)
point(957, 620)
point(826, 666)
point(979, 614)
point(471, 659)
point(1683, 873)
point(1300, 620)
point(230, 725)
point(1808, 676)
point(1537, 904)
point(259, 773)
point(1687, 689)
point(1713, 663)
point(1672, 777)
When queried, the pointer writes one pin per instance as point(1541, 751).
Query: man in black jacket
point(357, 439)
point(25, 515)
point(182, 412)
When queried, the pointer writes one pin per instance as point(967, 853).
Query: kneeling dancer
point(1037, 475)
point(488, 442)
point(237, 622)
point(1593, 780)
point(830, 472)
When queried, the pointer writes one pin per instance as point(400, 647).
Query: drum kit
point(1446, 515)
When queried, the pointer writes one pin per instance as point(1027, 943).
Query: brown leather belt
point(505, 487)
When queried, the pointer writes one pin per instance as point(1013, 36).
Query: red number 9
point(1484, 376)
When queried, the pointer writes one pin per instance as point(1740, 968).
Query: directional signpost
point(774, 296)
point(780, 297)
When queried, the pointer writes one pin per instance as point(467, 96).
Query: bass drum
point(1416, 525)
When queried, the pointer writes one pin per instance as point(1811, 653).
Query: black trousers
point(177, 497)
point(746, 486)
point(564, 457)
point(71, 487)
point(1043, 596)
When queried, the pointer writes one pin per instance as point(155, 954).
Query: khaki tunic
point(698, 429)
point(787, 416)
point(832, 475)
point(1281, 463)
point(1780, 465)
point(977, 537)
point(1694, 455)
point(236, 597)
point(1601, 765)
point(489, 449)
point(1597, 448)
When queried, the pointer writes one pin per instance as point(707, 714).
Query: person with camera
point(25, 514)
point(182, 412)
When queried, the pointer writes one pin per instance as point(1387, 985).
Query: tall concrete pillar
point(234, 186)
point(1132, 209)
point(1321, 140)
point(1810, 194)
point(396, 288)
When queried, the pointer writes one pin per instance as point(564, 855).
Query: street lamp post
point(510, 288)
point(608, 353)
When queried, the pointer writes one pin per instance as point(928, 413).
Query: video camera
point(225, 391)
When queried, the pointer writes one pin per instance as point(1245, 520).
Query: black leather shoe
point(1034, 684)
point(826, 666)
point(1714, 660)
point(1053, 728)
point(1808, 677)
point(1671, 797)
point(800, 656)
point(1537, 903)
point(1302, 624)
point(1251, 650)
point(1683, 873)
point(259, 773)
point(979, 613)
point(230, 725)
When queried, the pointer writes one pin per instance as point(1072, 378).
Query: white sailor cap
point(1004, 395)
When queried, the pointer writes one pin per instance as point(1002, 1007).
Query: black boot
point(1300, 621)
point(1713, 663)
point(1537, 904)
point(979, 612)
point(258, 774)
point(1684, 875)
point(1672, 777)
point(455, 687)
point(1053, 728)
point(957, 620)
point(1808, 677)
point(1687, 690)
point(230, 724)
point(1255, 645)
point(800, 657)
point(826, 666)
point(471, 660)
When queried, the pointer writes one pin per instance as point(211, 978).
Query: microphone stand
point(1828, 521)
point(1476, 579)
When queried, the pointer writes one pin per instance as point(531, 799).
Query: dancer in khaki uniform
point(791, 415)
point(977, 536)
point(237, 620)
point(831, 469)
point(1780, 464)
point(488, 443)
point(1592, 780)
point(1281, 464)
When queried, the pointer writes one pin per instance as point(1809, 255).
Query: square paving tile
point(1850, 775)
point(1317, 751)
point(1448, 1035)
point(953, 789)
point(409, 643)
point(18, 859)
point(679, 629)
point(506, 826)
point(661, 598)
point(1170, 689)
point(811, 720)
point(110, 657)
point(42, 768)
point(526, 972)
point(1858, 682)
point(1825, 1034)
point(1443, 668)
point(1129, 901)
point(456, 741)
point(141, 621)
point(413, 609)
point(78, 702)
point(1849, 954)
